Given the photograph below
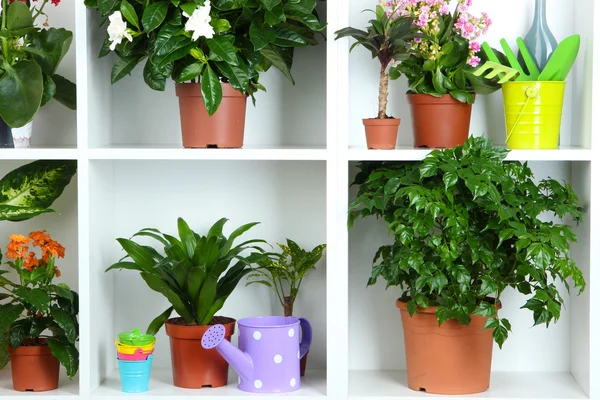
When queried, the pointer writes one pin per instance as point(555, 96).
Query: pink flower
point(474, 61)
point(474, 46)
point(445, 10)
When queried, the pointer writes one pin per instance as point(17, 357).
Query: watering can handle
point(531, 92)
point(306, 336)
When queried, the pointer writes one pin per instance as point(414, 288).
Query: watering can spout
point(239, 361)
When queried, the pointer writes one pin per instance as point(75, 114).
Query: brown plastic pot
point(442, 122)
point(193, 366)
point(34, 368)
point(225, 129)
point(303, 361)
point(381, 133)
point(449, 359)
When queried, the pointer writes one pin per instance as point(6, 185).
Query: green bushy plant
point(467, 225)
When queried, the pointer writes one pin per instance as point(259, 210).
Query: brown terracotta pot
point(447, 359)
point(303, 361)
point(34, 368)
point(439, 122)
point(381, 133)
point(193, 366)
point(225, 129)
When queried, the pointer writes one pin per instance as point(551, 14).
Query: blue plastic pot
point(135, 375)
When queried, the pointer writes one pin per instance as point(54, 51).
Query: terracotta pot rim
point(446, 99)
point(35, 350)
point(193, 90)
point(381, 121)
point(185, 332)
point(431, 309)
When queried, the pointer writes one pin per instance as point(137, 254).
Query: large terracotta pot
point(381, 133)
point(193, 366)
point(225, 129)
point(439, 122)
point(34, 368)
point(447, 359)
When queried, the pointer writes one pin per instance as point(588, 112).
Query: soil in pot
point(34, 368)
point(449, 359)
point(224, 129)
point(193, 366)
point(439, 122)
point(381, 133)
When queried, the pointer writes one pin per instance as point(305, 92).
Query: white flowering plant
point(207, 41)
point(30, 55)
point(444, 61)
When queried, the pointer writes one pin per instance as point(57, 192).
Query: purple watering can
point(268, 360)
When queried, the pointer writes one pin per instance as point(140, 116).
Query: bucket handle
point(531, 92)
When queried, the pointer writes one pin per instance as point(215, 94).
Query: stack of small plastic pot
point(134, 355)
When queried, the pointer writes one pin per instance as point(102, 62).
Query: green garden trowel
point(562, 60)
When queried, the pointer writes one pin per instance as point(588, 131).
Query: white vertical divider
point(337, 129)
point(83, 182)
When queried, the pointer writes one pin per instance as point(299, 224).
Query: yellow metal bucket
point(533, 112)
point(126, 349)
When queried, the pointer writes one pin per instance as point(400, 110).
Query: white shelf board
point(377, 385)
point(565, 153)
point(66, 388)
point(177, 152)
point(39, 154)
point(313, 386)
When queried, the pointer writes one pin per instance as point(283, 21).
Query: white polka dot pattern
point(291, 332)
point(293, 382)
point(278, 359)
point(256, 335)
point(258, 383)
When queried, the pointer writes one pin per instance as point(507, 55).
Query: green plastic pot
point(135, 338)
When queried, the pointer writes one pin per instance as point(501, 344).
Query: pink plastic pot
point(139, 355)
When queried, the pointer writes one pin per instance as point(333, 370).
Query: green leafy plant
point(444, 61)
point(212, 42)
point(193, 274)
point(35, 311)
point(286, 271)
point(29, 190)
point(30, 59)
point(389, 40)
point(466, 226)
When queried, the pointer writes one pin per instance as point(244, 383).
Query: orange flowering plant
point(34, 311)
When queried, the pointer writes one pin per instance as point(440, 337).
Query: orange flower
point(31, 262)
point(57, 272)
point(17, 247)
point(40, 238)
point(53, 248)
point(19, 238)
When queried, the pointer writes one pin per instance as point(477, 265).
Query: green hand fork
point(534, 72)
point(497, 70)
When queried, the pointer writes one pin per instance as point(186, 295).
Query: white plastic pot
point(22, 136)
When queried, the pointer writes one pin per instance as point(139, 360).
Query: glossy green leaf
point(37, 298)
point(170, 46)
point(190, 72)
point(280, 59)
point(66, 92)
point(21, 91)
point(108, 6)
point(153, 78)
point(66, 353)
point(123, 67)
point(275, 15)
point(223, 47)
point(18, 16)
point(66, 323)
point(9, 313)
point(19, 331)
point(212, 93)
point(49, 90)
point(158, 322)
point(269, 4)
point(48, 48)
point(154, 15)
point(129, 13)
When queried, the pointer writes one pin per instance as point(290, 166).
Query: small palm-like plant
point(194, 273)
point(286, 270)
point(389, 39)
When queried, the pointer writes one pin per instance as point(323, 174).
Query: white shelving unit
point(302, 144)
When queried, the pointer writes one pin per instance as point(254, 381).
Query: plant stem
point(40, 10)
point(288, 306)
point(4, 39)
point(384, 80)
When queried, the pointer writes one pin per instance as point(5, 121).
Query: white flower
point(117, 30)
point(199, 22)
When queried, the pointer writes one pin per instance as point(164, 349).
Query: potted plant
point(30, 58)
point(30, 190)
point(284, 273)
point(214, 51)
point(388, 38)
point(440, 69)
point(194, 275)
point(466, 226)
point(38, 327)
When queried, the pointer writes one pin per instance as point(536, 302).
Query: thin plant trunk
point(384, 80)
point(288, 306)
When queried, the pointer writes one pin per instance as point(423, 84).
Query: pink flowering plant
point(30, 55)
point(206, 41)
point(388, 37)
point(443, 62)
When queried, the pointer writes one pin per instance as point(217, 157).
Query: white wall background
point(287, 197)
point(511, 19)
point(55, 124)
point(373, 310)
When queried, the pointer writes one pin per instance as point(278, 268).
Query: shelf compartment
point(314, 386)
point(44, 153)
point(66, 388)
point(374, 385)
